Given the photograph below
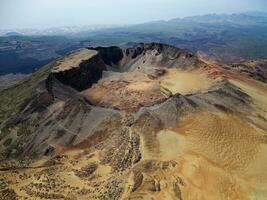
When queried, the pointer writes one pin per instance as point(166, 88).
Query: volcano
point(148, 122)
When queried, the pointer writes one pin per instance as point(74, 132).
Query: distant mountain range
point(63, 30)
point(246, 18)
point(226, 38)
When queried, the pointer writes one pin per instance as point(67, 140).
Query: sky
point(18, 14)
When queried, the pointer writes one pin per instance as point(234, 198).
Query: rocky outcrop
point(83, 77)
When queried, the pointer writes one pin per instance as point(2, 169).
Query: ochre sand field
point(219, 156)
point(216, 155)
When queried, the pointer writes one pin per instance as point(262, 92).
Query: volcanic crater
point(147, 122)
point(128, 79)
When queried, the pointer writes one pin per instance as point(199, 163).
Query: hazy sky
point(51, 13)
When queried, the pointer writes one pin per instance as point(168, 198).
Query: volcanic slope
point(147, 122)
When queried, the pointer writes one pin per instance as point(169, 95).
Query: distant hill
point(13, 34)
point(238, 19)
point(229, 37)
point(25, 54)
point(226, 37)
point(256, 13)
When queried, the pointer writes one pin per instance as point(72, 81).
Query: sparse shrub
point(7, 142)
